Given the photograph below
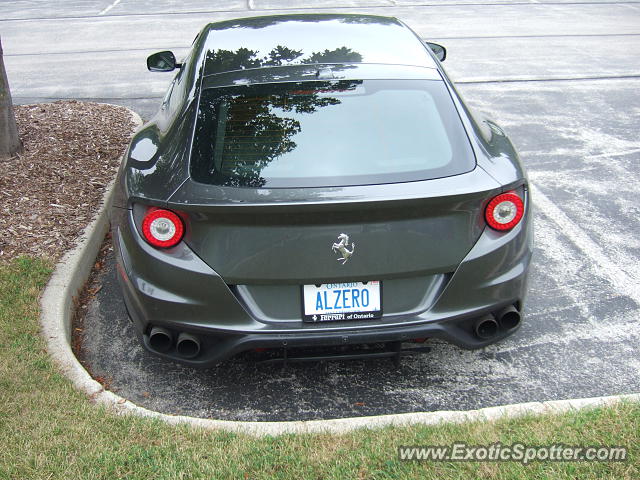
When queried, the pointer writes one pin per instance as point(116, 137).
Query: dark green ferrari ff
point(315, 183)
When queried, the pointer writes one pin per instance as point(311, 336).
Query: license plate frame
point(328, 296)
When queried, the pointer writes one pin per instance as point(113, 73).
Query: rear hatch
point(284, 236)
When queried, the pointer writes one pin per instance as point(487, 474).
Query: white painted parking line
point(555, 153)
point(106, 10)
point(607, 269)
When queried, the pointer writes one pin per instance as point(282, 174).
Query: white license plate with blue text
point(341, 301)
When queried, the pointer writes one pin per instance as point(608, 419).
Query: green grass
point(48, 430)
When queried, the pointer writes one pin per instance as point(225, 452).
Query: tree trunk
point(10, 143)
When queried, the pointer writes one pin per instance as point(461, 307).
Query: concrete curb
point(72, 272)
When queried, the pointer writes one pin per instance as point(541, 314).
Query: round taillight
point(162, 228)
point(504, 211)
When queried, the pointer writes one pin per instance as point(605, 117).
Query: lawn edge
point(72, 272)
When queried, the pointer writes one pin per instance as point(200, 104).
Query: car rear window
point(328, 133)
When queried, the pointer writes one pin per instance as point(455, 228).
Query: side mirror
point(439, 50)
point(162, 62)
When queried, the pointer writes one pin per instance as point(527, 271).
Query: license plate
point(341, 301)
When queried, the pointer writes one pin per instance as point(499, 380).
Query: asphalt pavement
point(560, 76)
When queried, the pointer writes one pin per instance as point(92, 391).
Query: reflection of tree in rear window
point(328, 134)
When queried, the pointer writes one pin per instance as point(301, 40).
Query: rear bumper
point(217, 346)
point(176, 290)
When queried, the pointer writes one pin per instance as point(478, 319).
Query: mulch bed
point(50, 192)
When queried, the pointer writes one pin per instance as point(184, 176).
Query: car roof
point(281, 40)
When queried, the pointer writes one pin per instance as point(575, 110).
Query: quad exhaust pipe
point(188, 345)
point(486, 327)
point(489, 325)
point(160, 339)
point(509, 317)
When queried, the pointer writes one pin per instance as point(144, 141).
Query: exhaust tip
point(160, 339)
point(486, 327)
point(188, 345)
point(509, 317)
